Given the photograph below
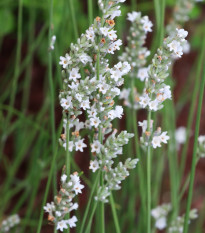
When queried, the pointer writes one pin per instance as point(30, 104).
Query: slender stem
point(162, 21)
point(102, 208)
point(134, 5)
point(149, 180)
point(90, 11)
point(50, 77)
point(67, 160)
point(138, 153)
point(73, 18)
point(87, 230)
point(47, 190)
point(89, 202)
point(28, 75)
point(18, 57)
point(114, 213)
point(194, 157)
point(67, 149)
point(193, 105)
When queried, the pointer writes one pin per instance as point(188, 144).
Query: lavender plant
point(89, 89)
point(136, 55)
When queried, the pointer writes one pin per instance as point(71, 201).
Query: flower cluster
point(180, 14)
point(136, 54)
point(90, 87)
point(201, 146)
point(104, 155)
point(156, 91)
point(177, 225)
point(63, 202)
point(179, 18)
point(158, 137)
point(9, 223)
point(160, 214)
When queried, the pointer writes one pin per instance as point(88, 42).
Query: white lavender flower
point(160, 214)
point(93, 92)
point(201, 146)
point(10, 222)
point(177, 225)
point(180, 136)
point(52, 43)
point(63, 202)
point(136, 54)
point(179, 18)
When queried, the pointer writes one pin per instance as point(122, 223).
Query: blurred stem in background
point(14, 83)
point(28, 75)
point(196, 86)
point(90, 11)
point(149, 177)
point(73, 18)
point(134, 5)
point(194, 157)
point(18, 59)
point(68, 168)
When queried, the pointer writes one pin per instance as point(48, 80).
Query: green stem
point(149, 180)
point(47, 190)
point(138, 154)
point(193, 105)
point(28, 75)
point(89, 202)
point(134, 5)
point(68, 171)
point(102, 208)
point(87, 230)
point(18, 58)
point(50, 78)
point(67, 149)
point(194, 157)
point(90, 11)
point(73, 18)
point(114, 213)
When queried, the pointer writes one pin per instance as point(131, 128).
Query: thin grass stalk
point(94, 186)
point(159, 7)
point(200, 222)
point(68, 170)
point(149, 179)
point(90, 11)
point(138, 154)
point(158, 178)
point(172, 160)
point(53, 162)
point(29, 68)
point(162, 21)
point(102, 206)
point(18, 59)
point(52, 96)
point(134, 5)
point(193, 105)
point(194, 156)
point(73, 18)
point(47, 190)
point(88, 228)
point(114, 213)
